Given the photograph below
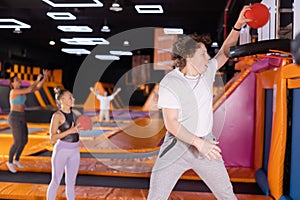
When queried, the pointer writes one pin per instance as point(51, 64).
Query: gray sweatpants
point(176, 157)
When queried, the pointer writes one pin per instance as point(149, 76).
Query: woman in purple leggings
point(65, 156)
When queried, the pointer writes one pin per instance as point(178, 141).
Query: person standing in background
point(104, 103)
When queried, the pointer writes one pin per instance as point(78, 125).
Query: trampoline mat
point(122, 114)
point(30, 130)
point(92, 133)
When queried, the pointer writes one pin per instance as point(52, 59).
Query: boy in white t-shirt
point(186, 99)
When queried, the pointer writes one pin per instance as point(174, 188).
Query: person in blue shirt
point(16, 117)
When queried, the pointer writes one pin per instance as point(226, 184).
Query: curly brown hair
point(186, 46)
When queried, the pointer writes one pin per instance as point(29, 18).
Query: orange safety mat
point(38, 191)
point(133, 167)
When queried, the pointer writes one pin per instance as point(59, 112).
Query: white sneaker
point(11, 167)
point(18, 164)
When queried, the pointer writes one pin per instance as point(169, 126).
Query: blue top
point(19, 100)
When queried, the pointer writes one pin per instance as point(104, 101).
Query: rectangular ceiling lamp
point(149, 8)
point(75, 51)
point(85, 41)
point(95, 3)
point(107, 57)
point(173, 31)
point(61, 15)
point(121, 53)
point(77, 29)
point(12, 23)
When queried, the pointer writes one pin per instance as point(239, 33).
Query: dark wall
point(17, 52)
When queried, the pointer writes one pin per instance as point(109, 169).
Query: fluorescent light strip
point(107, 57)
point(159, 51)
point(173, 30)
point(78, 29)
point(75, 51)
point(17, 24)
point(77, 5)
point(149, 8)
point(167, 62)
point(85, 41)
point(61, 15)
point(121, 53)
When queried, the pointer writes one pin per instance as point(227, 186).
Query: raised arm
point(31, 88)
point(231, 40)
point(116, 92)
point(40, 83)
point(93, 91)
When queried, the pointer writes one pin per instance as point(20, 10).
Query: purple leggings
point(65, 156)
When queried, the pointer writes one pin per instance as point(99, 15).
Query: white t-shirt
point(192, 96)
point(105, 101)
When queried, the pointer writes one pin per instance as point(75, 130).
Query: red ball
point(259, 14)
point(85, 122)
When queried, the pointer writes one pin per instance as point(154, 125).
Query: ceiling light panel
point(85, 41)
point(61, 15)
point(107, 57)
point(149, 8)
point(173, 31)
point(75, 51)
point(77, 29)
point(121, 53)
point(13, 23)
point(93, 3)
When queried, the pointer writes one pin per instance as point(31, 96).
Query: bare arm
point(231, 40)
point(40, 83)
point(116, 92)
point(207, 148)
point(31, 88)
point(55, 123)
point(93, 91)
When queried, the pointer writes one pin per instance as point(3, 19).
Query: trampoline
point(30, 130)
point(92, 133)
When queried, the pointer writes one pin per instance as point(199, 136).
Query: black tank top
point(73, 137)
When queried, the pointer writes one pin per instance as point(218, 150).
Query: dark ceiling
point(191, 15)
point(32, 45)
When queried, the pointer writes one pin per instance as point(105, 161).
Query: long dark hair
point(11, 80)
